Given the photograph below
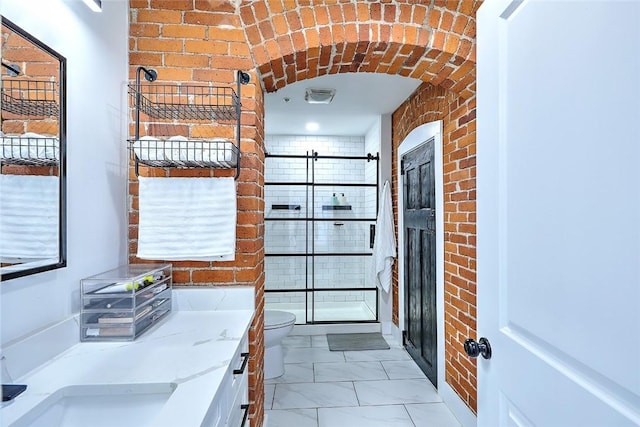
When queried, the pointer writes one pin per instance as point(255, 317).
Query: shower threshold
point(342, 312)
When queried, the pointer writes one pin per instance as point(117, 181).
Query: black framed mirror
point(32, 155)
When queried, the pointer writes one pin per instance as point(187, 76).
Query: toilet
point(277, 325)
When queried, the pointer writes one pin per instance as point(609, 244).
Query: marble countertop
point(190, 349)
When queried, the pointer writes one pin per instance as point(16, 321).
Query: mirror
point(32, 156)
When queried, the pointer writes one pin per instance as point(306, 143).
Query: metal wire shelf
point(185, 153)
point(188, 102)
point(29, 151)
point(30, 97)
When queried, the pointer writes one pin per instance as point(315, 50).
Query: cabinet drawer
point(239, 411)
point(219, 410)
point(240, 365)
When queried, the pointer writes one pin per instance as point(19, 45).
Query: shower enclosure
point(320, 212)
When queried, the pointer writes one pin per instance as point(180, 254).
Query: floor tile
point(268, 395)
point(369, 416)
point(297, 341)
point(390, 339)
point(319, 341)
point(314, 395)
point(310, 355)
point(402, 369)
point(432, 415)
point(294, 373)
point(293, 418)
point(393, 392)
point(322, 388)
point(376, 355)
point(351, 371)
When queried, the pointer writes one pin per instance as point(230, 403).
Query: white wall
point(379, 139)
point(96, 48)
point(372, 145)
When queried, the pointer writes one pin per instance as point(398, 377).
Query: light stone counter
point(189, 349)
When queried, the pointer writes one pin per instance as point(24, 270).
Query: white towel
point(187, 219)
point(151, 148)
point(29, 217)
point(217, 151)
point(384, 245)
point(30, 146)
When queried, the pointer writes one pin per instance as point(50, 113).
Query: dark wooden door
point(419, 216)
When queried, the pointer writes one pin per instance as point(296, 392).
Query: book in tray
point(123, 317)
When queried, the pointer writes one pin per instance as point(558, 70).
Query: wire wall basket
point(190, 102)
point(29, 151)
point(30, 97)
point(185, 153)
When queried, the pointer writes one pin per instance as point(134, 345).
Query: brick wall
point(283, 41)
point(427, 104)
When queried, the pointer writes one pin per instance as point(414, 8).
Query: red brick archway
point(295, 40)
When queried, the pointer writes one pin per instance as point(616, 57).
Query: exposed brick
point(213, 276)
point(260, 10)
point(434, 18)
point(349, 12)
point(159, 16)
point(159, 45)
point(293, 20)
point(307, 16)
point(280, 25)
point(322, 15)
point(144, 30)
point(419, 14)
point(184, 31)
point(190, 61)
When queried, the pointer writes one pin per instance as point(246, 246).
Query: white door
point(559, 213)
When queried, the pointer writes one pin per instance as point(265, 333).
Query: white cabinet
point(230, 407)
point(239, 391)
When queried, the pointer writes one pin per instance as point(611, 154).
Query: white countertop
point(191, 349)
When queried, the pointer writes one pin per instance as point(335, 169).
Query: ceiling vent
point(319, 96)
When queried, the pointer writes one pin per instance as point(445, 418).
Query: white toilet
point(277, 325)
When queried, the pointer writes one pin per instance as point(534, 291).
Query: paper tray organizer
point(121, 304)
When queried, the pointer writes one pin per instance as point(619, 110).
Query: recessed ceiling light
point(312, 126)
point(319, 96)
point(95, 5)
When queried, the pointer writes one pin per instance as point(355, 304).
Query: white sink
point(106, 405)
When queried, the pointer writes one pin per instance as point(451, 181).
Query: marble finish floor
point(377, 388)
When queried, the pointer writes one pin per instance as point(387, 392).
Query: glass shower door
point(319, 217)
point(287, 261)
point(345, 205)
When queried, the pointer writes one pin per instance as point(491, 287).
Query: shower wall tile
point(289, 236)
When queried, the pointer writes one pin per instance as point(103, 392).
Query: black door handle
point(475, 349)
point(372, 235)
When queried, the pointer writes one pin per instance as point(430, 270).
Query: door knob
point(474, 349)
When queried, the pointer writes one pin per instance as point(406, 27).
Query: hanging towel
point(29, 217)
point(384, 245)
point(190, 219)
